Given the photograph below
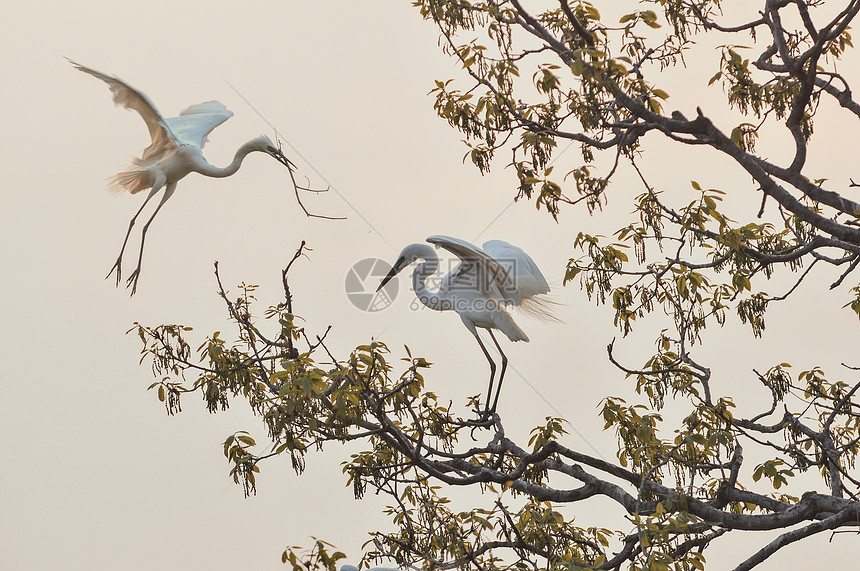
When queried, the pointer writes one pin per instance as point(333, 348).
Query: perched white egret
point(479, 289)
point(175, 151)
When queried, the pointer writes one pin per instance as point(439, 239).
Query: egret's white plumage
point(479, 289)
point(175, 151)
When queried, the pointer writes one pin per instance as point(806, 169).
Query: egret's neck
point(419, 276)
point(220, 172)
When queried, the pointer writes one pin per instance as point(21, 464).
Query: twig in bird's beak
point(282, 158)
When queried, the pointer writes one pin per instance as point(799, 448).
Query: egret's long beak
point(398, 265)
point(281, 157)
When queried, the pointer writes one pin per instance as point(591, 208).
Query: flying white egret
point(175, 151)
point(479, 289)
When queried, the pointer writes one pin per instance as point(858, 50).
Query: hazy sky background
point(95, 475)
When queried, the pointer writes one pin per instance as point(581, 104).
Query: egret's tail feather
point(506, 324)
point(540, 307)
point(514, 333)
point(132, 181)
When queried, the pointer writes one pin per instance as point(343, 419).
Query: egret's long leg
point(118, 265)
point(492, 373)
point(501, 374)
point(132, 280)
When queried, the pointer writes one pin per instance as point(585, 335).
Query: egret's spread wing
point(195, 123)
point(127, 96)
point(488, 273)
point(527, 277)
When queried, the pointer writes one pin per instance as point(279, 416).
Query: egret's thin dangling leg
point(492, 373)
point(132, 280)
point(118, 265)
point(501, 374)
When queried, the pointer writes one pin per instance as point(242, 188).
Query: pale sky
point(95, 475)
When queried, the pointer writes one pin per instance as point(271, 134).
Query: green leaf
point(660, 93)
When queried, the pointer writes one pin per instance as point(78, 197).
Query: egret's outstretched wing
point(127, 96)
point(195, 123)
point(527, 277)
point(489, 273)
